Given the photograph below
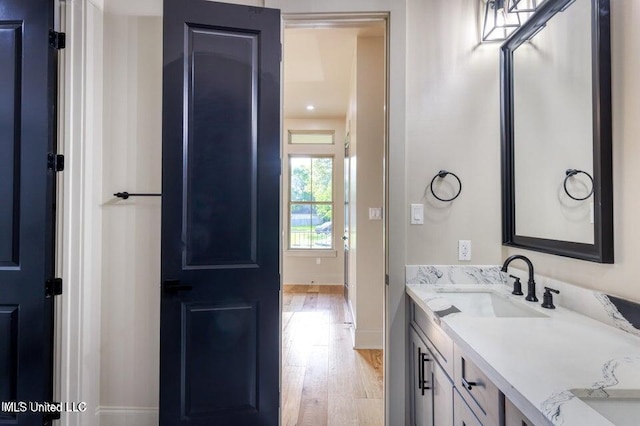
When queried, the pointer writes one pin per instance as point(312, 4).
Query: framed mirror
point(557, 184)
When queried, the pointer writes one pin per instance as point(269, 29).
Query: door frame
point(346, 20)
point(79, 221)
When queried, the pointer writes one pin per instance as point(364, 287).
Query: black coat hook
point(441, 175)
point(125, 195)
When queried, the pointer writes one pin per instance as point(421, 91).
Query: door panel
point(218, 339)
point(222, 147)
point(27, 188)
point(10, 76)
point(220, 316)
point(8, 353)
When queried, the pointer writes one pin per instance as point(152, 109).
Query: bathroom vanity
point(482, 356)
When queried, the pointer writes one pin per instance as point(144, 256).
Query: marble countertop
point(537, 361)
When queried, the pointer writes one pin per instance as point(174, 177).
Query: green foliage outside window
point(311, 201)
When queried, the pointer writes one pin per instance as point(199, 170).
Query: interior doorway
point(333, 155)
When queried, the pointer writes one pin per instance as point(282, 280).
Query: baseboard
point(128, 416)
point(367, 339)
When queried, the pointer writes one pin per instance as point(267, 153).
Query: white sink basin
point(488, 304)
point(621, 407)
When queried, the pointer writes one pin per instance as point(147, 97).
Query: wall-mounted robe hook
point(125, 195)
point(441, 175)
point(572, 172)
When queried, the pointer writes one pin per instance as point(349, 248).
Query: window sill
point(312, 253)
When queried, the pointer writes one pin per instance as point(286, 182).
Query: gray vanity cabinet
point(446, 386)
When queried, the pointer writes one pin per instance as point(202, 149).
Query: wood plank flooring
point(324, 380)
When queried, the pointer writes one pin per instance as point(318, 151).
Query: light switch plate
point(417, 214)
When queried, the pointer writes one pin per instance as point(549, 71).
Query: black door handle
point(174, 286)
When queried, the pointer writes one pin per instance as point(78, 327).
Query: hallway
point(326, 381)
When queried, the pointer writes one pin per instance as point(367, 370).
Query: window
point(311, 137)
point(310, 202)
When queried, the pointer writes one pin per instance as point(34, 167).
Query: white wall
point(452, 123)
point(131, 228)
point(300, 266)
point(366, 240)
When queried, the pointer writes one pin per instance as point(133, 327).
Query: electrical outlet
point(464, 250)
point(375, 213)
point(318, 261)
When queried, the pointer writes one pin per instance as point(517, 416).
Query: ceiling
point(318, 63)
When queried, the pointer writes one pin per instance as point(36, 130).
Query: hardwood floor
point(325, 381)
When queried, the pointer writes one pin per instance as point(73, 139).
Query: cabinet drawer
point(462, 414)
point(480, 393)
point(513, 416)
point(442, 344)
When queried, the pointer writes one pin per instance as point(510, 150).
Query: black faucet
point(531, 285)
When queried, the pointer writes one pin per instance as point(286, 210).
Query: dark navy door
point(220, 327)
point(27, 131)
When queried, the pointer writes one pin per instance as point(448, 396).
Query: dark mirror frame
point(602, 249)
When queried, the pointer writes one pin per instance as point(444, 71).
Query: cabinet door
point(421, 381)
point(442, 397)
point(513, 416)
point(480, 393)
point(462, 414)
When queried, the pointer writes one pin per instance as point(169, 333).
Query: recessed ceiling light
point(310, 107)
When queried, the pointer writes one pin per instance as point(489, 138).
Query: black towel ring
point(573, 172)
point(442, 174)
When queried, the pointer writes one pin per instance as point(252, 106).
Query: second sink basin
point(488, 304)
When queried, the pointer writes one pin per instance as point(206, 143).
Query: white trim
point(396, 409)
point(79, 219)
point(368, 339)
point(127, 416)
point(97, 3)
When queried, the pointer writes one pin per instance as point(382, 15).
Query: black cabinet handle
point(174, 286)
point(465, 383)
point(468, 385)
point(422, 359)
point(420, 370)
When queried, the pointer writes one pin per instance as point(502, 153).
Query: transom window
point(310, 202)
point(311, 137)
